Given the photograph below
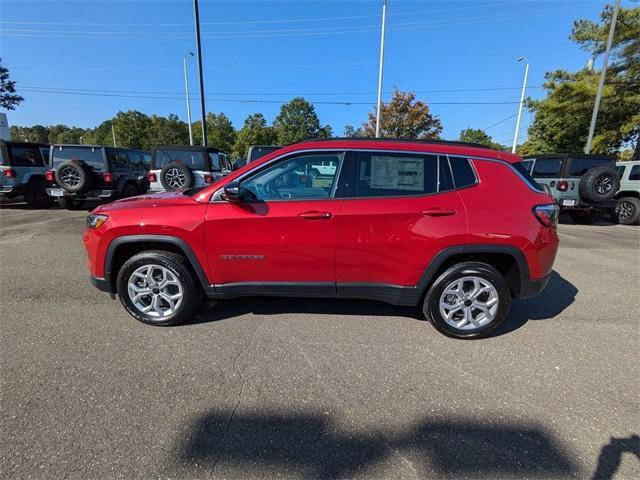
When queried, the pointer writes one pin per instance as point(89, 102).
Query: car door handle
point(316, 215)
point(438, 212)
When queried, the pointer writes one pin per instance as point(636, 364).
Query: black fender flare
point(166, 239)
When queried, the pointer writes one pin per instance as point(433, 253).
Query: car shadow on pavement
point(554, 299)
point(312, 446)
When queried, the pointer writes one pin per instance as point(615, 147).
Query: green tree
point(9, 99)
point(36, 134)
point(351, 132)
point(404, 117)
point(101, 135)
point(168, 131)
point(476, 135)
point(220, 132)
point(71, 136)
point(255, 131)
point(133, 129)
point(298, 121)
point(562, 119)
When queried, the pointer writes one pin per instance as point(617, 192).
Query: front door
point(283, 239)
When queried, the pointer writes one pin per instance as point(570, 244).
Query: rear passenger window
point(635, 173)
point(26, 157)
point(381, 174)
point(547, 167)
point(463, 175)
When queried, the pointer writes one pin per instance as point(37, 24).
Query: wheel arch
point(508, 260)
point(627, 193)
point(123, 248)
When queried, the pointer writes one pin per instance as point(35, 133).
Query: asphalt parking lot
point(294, 388)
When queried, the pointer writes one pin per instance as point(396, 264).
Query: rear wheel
point(36, 195)
point(129, 191)
point(157, 287)
point(469, 300)
point(627, 211)
point(71, 203)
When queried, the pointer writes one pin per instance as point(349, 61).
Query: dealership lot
point(314, 388)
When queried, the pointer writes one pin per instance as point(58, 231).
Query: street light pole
point(596, 107)
point(196, 15)
point(379, 103)
point(524, 87)
point(186, 89)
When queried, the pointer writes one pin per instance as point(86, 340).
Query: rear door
point(400, 210)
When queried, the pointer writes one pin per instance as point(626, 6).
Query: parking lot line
point(567, 235)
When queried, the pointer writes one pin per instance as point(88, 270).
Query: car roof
point(196, 148)
point(568, 155)
point(75, 145)
point(628, 162)
point(24, 144)
point(427, 146)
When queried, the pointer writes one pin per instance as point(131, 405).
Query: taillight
point(152, 177)
point(547, 215)
point(10, 173)
point(107, 177)
point(208, 179)
point(50, 175)
point(563, 185)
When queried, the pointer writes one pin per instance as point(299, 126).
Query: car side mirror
point(235, 193)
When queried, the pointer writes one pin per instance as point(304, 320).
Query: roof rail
point(407, 140)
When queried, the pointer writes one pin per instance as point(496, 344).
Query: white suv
point(627, 210)
point(177, 168)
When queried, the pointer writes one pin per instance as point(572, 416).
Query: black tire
point(599, 184)
point(173, 170)
point(627, 211)
point(177, 265)
point(71, 203)
point(130, 190)
point(73, 177)
point(36, 195)
point(431, 305)
point(585, 217)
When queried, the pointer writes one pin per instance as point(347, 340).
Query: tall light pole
point(186, 89)
point(379, 103)
point(524, 87)
point(605, 62)
point(196, 19)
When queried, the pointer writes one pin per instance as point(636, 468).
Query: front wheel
point(157, 287)
point(469, 300)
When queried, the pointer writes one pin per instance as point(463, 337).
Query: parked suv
point(175, 168)
point(456, 229)
point(583, 185)
point(22, 172)
point(627, 209)
point(85, 172)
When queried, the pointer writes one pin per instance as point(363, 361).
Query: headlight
point(94, 221)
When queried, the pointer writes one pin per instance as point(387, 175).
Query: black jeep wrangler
point(90, 172)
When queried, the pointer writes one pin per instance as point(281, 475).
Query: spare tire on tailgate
point(175, 176)
point(73, 177)
point(599, 184)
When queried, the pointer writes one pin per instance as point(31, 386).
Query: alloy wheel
point(604, 184)
point(624, 211)
point(175, 178)
point(155, 291)
point(69, 176)
point(469, 303)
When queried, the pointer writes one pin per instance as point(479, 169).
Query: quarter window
point(463, 175)
point(291, 179)
point(547, 167)
point(119, 160)
point(579, 166)
point(25, 157)
point(635, 173)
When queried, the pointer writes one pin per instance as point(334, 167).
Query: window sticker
point(394, 173)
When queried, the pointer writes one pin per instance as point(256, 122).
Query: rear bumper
point(12, 190)
point(91, 195)
point(530, 288)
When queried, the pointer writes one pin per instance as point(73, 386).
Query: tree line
point(561, 118)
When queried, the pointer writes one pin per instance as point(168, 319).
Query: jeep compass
point(456, 229)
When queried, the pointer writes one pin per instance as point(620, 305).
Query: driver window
point(299, 177)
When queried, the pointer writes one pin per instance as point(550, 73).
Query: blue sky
point(130, 54)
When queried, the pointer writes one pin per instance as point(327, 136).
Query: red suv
point(455, 228)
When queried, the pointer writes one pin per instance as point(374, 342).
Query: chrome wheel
point(469, 302)
point(155, 291)
point(624, 211)
point(69, 176)
point(175, 178)
point(604, 184)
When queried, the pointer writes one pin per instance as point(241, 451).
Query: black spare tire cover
point(74, 177)
point(176, 176)
point(599, 184)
